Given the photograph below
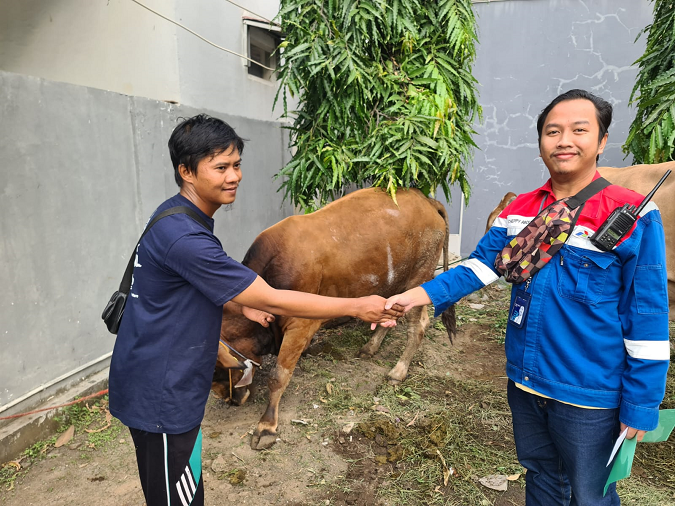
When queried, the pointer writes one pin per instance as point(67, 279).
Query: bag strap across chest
point(542, 238)
point(125, 285)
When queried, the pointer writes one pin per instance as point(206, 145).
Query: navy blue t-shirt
point(166, 348)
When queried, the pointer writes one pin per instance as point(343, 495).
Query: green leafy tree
point(385, 95)
point(651, 135)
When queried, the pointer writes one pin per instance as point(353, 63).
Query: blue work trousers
point(564, 449)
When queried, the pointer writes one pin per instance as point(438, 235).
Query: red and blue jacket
point(596, 333)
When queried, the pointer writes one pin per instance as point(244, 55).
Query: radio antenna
point(651, 193)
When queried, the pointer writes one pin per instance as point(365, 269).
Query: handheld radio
point(620, 221)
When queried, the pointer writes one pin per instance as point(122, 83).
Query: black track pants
point(170, 467)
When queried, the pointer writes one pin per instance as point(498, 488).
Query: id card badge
point(521, 305)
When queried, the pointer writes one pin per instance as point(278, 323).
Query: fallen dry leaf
point(446, 472)
point(329, 388)
point(65, 437)
point(348, 428)
point(495, 482)
point(108, 421)
point(513, 477)
point(412, 421)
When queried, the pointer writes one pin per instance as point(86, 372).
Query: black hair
point(603, 110)
point(197, 138)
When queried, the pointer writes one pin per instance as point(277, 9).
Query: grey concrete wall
point(82, 170)
point(530, 51)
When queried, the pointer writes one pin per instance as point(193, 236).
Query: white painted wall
point(107, 44)
point(117, 45)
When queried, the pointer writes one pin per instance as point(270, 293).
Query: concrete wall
point(530, 51)
point(118, 45)
point(82, 170)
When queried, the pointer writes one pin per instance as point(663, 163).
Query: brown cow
point(506, 200)
point(361, 244)
point(639, 178)
point(642, 178)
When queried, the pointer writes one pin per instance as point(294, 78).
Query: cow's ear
point(227, 361)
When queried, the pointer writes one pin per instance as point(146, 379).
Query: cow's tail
point(449, 320)
point(440, 208)
point(448, 317)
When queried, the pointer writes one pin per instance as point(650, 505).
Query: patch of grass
point(81, 417)
point(87, 417)
point(345, 341)
point(466, 423)
point(11, 471)
point(77, 415)
point(8, 475)
point(39, 450)
point(105, 437)
point(492, 317)
point(638, 492)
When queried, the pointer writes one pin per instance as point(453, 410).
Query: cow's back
point(642, 178)
point(358, 245)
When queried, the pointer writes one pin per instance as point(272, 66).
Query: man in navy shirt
point(167, 344)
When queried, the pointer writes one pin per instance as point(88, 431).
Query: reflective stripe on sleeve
point(648, 350)
point(482, 271)
point(500, 222)
point(651, 206)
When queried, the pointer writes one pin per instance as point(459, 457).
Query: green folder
point(623, 462)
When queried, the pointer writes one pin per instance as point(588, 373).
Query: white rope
point(256, 15)
point(202, 38)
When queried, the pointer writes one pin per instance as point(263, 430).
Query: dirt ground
point(346, 436)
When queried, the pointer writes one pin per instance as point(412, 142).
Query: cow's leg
point(418, 320)
point(296, 336)
point(369, 349)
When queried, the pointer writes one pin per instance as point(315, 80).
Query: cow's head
point(248, 342)
point(506, 200)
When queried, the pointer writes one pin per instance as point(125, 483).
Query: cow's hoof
point(363, 353)
point(263, 441)
point(393, 381)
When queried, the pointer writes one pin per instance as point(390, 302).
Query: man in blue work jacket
point(587, 347)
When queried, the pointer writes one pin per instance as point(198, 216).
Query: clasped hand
point(404, 302)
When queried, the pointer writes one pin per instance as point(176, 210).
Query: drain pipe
point(53, 382)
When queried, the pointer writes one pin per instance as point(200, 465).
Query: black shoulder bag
point(112, 314)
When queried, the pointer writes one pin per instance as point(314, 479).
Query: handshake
point(394, 307)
